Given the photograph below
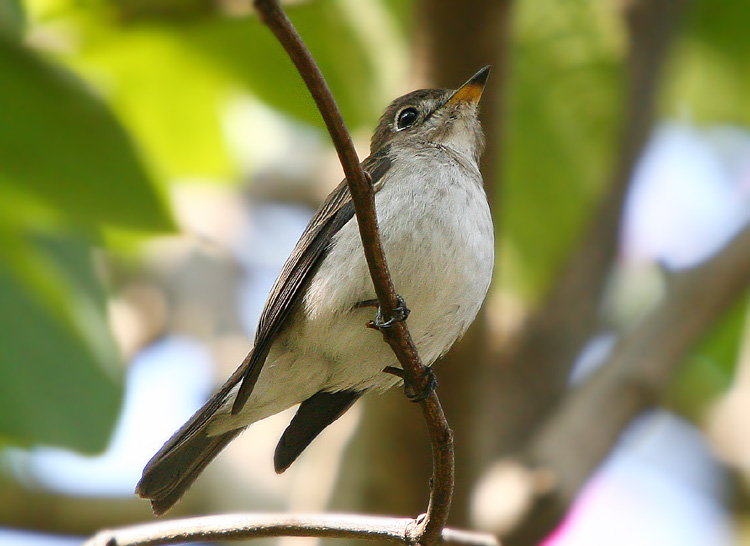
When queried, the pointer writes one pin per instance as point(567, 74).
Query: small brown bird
point(312, 347)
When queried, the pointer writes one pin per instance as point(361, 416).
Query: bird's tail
point(178, 463)
point(170, 473)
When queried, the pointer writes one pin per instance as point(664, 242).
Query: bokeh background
point(159, 159)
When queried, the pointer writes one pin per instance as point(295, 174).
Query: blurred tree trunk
point(530, 377)
point(389, 464)
point(512, 393)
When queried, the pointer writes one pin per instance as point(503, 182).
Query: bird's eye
point(406, 118)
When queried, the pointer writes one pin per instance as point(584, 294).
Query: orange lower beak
point(472, 90)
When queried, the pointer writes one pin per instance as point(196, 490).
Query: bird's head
point(442, 117)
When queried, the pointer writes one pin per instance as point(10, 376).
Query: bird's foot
point(409, 390)
point(400, 314)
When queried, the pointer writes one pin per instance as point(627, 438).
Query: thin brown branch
point(251, 526)
point(578, 437)
point(428, 531)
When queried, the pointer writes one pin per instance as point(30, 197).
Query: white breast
point(437, 233)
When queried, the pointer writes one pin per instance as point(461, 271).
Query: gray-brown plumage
point(312, 346)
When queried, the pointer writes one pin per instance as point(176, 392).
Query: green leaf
point(168, 97)
point(709, 79)
point(12, 18)
point(59, 379)
point(62, 144)
point(562, 119)
point(171, 74)
point(168, 68)
point(709, 368)
point(247, 48)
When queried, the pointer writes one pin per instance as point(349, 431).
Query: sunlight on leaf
point(61, 381)
point(563, 114)
point(61, 143)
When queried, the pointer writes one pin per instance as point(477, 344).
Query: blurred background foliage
point(107, 106)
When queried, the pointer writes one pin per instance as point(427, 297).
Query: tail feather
point(167, 476)
point(183, 457)
point(313, 415)
point(175, 467)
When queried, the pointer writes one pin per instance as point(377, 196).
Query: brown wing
point(336, 211)
point(176, 465)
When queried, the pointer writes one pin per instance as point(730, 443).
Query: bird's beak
point(471, 91)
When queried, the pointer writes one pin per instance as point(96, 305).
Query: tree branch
point(632, 379)
point(532, 374)
point(363, 197)
point(251, 526)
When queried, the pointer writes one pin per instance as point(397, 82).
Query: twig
point(575, 441)
point(251, 526)
point(363, 197)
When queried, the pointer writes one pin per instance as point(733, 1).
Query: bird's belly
point(441, 264)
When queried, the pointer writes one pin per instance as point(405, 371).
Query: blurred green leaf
point(709, 368)
point(62, 144)
point(711, 60)
point(169, 71)
point(168, 97)
point(403, 12)
point(249, 50)
point(60, 382)
point(12, 18)
point(563, 114)
point(562, 118)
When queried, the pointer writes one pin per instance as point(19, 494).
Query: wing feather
point(289, 287)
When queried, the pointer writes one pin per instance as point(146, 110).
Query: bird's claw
point(425, 393)
point(409, 390)
point(400, 314)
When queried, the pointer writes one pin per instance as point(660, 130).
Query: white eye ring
point(406, 117)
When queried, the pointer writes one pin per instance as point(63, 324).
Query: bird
point(312, 346)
